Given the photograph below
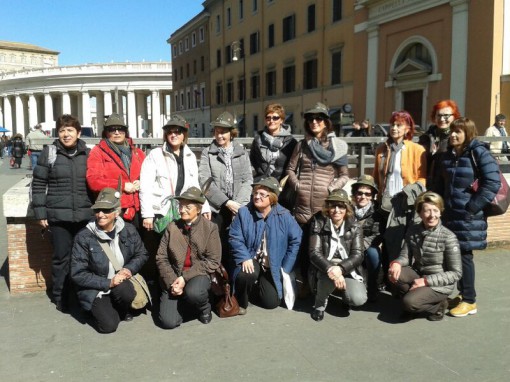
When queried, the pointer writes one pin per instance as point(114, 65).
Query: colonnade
point(140, 92)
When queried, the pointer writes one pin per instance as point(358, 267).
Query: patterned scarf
point(394, 148)
point(360, 212)
point(229, 173)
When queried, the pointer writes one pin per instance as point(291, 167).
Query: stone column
point(2, 111)
point(100, 113)
point(108, 107)
point(48, 108)
point(458, 80)
point(131, 114)
point(372, 62)
point(85, 107)
point(66, 103)
point(156, 114)
point(8, 114)
point(141, 112)
point(32, 110)
point(20, 115)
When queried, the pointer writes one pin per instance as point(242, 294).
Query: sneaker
point(242, 311)
point(439, 315)
point(463, 309)
point(454, 302)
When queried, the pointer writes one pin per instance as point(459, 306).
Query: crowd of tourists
point(278, 218)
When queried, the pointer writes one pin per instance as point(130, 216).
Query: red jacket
point(104, 167)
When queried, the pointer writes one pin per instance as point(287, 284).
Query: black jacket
point(259, 163)
point(352, 241)
point(59, 190)
point(90, 265)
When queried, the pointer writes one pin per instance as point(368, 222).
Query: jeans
point(34, 157)
point(373, 264)
point(466, 284)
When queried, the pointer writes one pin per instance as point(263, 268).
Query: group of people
point(172, 219)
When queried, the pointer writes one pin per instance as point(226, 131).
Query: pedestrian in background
point(35, 148)
point(18, 149)
point(61, 200)
point(499, 148)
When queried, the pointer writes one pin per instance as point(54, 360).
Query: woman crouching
point(336, 253)
point(189, 252)
point(436, 264)
point(102, 290)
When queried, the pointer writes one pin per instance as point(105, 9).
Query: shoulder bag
point(227, 306)
point(143, 296)
point(162, 221)
point(499, 205)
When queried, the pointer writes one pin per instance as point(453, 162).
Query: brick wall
point(498, 233)
point(29, 256)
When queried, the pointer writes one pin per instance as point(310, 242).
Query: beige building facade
point(413, 53)
point(191, 80)
point(16, 56)
point(291, 52)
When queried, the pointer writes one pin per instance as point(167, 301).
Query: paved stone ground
point(37, 343)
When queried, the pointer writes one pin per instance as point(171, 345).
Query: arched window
point(415, 52)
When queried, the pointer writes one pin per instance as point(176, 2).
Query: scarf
point(394, 148)
point(229, 174)
point(335, 246)
point(361, 212)
point(334, 154)
point(123, 151)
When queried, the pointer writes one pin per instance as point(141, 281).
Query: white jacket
point(158, 178)
point(496, 147)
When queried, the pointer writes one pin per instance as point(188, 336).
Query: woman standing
point(336, 254)
point(435, 140)
point(399, 173)
point(61, 200)
point(465, 160)
point(272, 147)
point(318, 165)
point(116, 156)
point(189, 252)
point(429, 264)
point(103, 290)
point(265, 239)
point(225, 165)
point(166, 172)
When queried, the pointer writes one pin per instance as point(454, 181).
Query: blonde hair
point(429, 197)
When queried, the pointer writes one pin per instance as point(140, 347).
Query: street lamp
point(237, 54)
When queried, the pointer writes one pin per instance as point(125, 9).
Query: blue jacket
point(463, 212)
point(283, 236)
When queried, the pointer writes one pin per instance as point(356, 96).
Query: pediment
point(412, 67)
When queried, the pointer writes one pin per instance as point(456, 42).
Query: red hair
point(441, 105)
point(405, 117)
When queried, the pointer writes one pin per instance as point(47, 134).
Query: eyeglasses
point(112, 129)
point(186, 207)
point(443, 116)
point(311, 118)
point(361, 193)
point(272, 118)
point(260, 195)
point(339, 206)
point(175, 132)
point(105, 211)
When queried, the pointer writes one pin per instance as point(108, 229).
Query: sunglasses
point(272, 118)
point(318, 118)
point(112, 129)
point(175, 132)
point(339, 206)
point(361, 193)
point(105, 211)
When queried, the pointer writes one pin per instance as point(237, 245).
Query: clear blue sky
point(93, 31)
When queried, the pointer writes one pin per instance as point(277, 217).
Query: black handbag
point(288, 196)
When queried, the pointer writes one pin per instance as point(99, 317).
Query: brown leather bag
point(227, 305)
